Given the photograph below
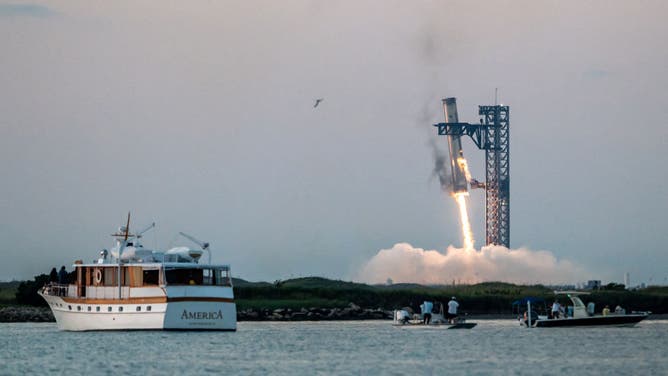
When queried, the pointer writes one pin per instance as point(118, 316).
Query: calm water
point(371, 347)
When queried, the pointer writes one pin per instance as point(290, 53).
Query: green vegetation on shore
point(482, 298)
point(8, 292)
point(24, 292)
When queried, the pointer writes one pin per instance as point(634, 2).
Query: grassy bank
point(313, 291)
point(8, 292)
point(295, 304)
point(483, 298)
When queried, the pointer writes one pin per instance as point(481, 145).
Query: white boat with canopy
point(132, 288)
point(579, 315)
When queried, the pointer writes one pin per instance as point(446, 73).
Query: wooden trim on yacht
point(147, 300)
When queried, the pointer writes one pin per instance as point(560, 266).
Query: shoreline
point(14, 314)
point(510, 316)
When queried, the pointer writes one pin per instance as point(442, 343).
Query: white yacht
point(132, 288)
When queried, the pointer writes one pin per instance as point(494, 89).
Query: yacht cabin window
point(198, 276)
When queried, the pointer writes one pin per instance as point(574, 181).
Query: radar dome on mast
point(203, 245)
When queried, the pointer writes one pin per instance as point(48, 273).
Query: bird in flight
point(317, 102)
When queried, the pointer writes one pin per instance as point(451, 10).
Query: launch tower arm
point(479, 133)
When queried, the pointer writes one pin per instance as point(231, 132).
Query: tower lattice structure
point(492, 134)
point(497, 174)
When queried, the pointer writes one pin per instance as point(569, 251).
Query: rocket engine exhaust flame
point(469, 242)
point(461, 161)
point(460, 197)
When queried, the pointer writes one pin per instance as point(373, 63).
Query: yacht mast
point(120, 251)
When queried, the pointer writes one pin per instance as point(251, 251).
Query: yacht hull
point(182, 314)
point(214, 314)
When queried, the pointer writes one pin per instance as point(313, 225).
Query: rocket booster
point(459, 183)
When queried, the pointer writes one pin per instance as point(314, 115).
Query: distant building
point(593, 284)
point(627, 280)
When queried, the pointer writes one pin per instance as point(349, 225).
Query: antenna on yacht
point(127, 228)
point(201, 244)
point(120, 251)
point(140, 233)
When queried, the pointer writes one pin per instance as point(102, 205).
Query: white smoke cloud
point(404, 263)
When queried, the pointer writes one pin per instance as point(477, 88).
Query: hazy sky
point(199, 115)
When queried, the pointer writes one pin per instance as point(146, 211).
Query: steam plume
point(404, 263)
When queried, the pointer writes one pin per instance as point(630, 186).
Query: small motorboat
point(403, 318)
point(579, 316)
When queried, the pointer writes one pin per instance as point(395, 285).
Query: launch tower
point(491, 135)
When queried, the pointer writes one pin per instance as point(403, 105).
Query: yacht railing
point(57, 289)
